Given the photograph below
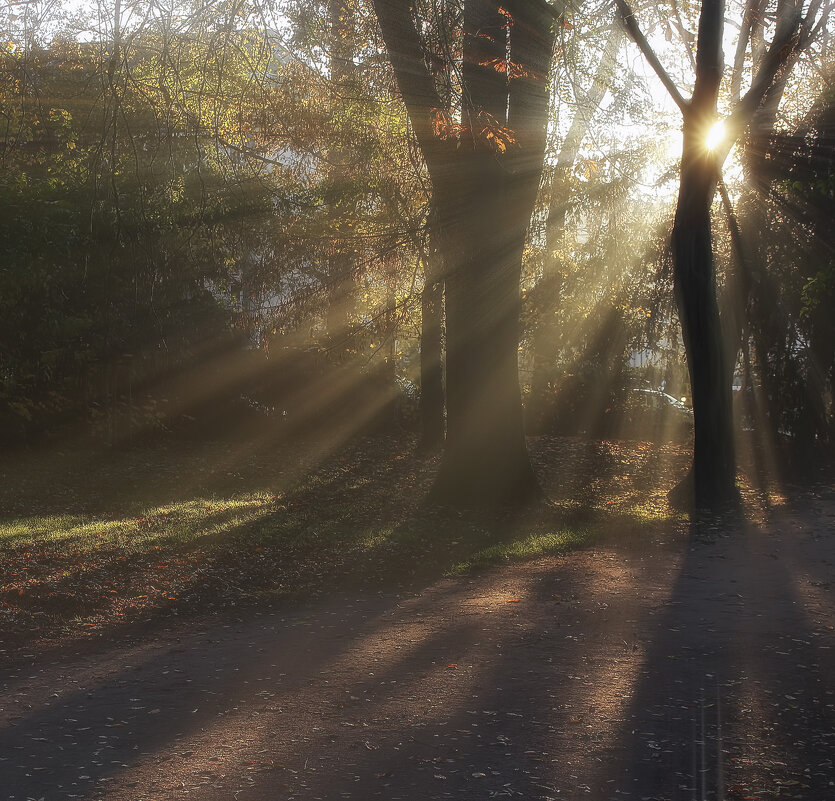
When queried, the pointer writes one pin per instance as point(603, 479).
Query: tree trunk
point(714, 461)
point(485, 461)
point(484, 187)
point(713, 473)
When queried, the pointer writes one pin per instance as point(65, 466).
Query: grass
point(89, 539)
point(526, 547)
point(178, 523)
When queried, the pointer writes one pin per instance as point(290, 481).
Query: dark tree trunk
point(485, 462)
point(714, 464)
point(713, 474)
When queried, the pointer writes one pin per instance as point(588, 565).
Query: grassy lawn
point(93, 538)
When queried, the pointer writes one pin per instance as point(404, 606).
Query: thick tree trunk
point(484, 187)
point(485, 462)
point(714, 462)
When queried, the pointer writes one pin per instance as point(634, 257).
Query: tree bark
point(484, 187)
point(714, 461)
point(714, 464)
point(485, 461)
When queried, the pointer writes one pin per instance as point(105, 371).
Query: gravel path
point(695, 667)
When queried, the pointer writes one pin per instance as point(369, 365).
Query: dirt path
point(677, 669)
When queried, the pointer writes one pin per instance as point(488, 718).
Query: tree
point(484, 169)
point(794, 338)
point(545, 333)
point(765, 300)
point(713, 473)
point(124, 217)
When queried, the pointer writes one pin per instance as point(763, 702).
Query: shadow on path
point(604, 674)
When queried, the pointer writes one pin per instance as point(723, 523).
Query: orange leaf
point(497, 64)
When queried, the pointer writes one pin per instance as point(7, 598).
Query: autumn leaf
point(443, 126)
point(507, 67)
point(498, 136)
point(497, 64)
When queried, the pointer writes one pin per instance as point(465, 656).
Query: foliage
point(114, 225)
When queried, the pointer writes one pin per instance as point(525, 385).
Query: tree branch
point(415, 82)
point(629, 22)
point(783, 47)
point(809, 30)
point(590, 103)
point(685, 35)
point(709, 56)
point(753, 9)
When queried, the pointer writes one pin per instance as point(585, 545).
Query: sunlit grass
point(263, 519)
point(175, 524)
point(211, 526)
point(528, 546)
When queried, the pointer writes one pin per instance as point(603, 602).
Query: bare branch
point(787, 43)
point(753, 9)
point(686, 36)
point(809, 30)
point(587, 106)
point(631, 24)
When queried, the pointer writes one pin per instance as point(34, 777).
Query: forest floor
point(600, 648)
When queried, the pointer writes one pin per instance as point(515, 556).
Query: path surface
point(660, 670)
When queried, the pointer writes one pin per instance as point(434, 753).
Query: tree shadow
point(556, 679)
point(731, 701)
point(462, 691)
point(272, 530)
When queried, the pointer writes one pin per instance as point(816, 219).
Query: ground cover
point(95, 538)
point(664, 666)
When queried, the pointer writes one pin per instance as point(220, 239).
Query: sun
point(715, 135)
